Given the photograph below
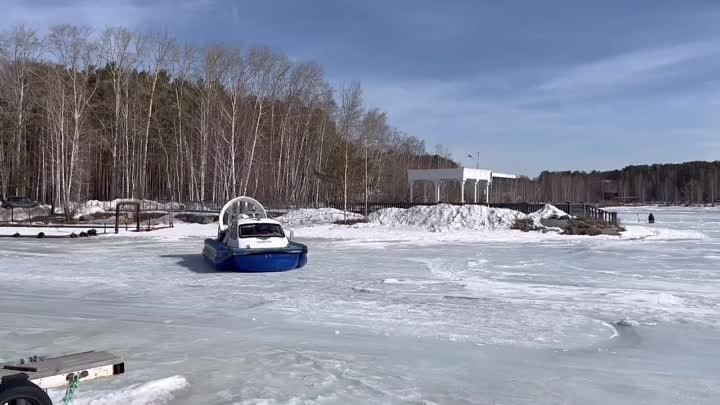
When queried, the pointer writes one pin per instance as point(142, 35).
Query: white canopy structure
point(478, 178)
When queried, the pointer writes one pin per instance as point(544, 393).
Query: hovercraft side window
point(261, 230)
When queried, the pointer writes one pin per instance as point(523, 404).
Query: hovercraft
point(248, 241)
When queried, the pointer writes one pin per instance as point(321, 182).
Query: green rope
point(70, 392)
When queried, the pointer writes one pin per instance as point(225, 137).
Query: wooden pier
point(56, 372)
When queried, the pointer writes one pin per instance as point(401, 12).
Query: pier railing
point(584, 210)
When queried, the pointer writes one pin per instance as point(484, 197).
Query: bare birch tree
point(348, 120)
point(119, 60)
point(133, 115)
point(155, 49)
point(19, 49)
point(73, 49)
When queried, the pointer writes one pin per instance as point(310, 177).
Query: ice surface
point(383, 314)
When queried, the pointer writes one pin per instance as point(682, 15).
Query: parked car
point(18, 202)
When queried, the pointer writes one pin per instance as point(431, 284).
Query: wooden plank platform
point(56, 372)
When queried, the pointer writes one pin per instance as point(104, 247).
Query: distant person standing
point(651, 218)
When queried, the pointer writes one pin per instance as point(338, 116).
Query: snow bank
point(549, 211)
point(85, 210)
point(309, 216)
point(22, 214)
point(446, 217)
point(155, 392)
point(147, 205)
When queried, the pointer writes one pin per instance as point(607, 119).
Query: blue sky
point(532, 85)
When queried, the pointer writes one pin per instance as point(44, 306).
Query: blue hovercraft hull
point(255, 260)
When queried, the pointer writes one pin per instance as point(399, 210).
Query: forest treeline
point(690, 182)
point(117, 114)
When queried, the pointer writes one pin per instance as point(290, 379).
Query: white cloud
point(495, 121)
point(640, 65)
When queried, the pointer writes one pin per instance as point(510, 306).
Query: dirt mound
point(568, 226)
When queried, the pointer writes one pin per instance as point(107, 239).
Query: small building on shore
point(475, 185)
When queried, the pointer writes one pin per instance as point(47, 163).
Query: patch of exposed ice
point(627, 322)
point(650, 299)
point(366, 290)
point(290, 401)
point(652, 233)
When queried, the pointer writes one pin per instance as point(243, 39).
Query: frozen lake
point(387, 317)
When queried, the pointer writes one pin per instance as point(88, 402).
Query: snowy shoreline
point(442, 223)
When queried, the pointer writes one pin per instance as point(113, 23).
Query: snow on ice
point(155, 392)
point(449, 307)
